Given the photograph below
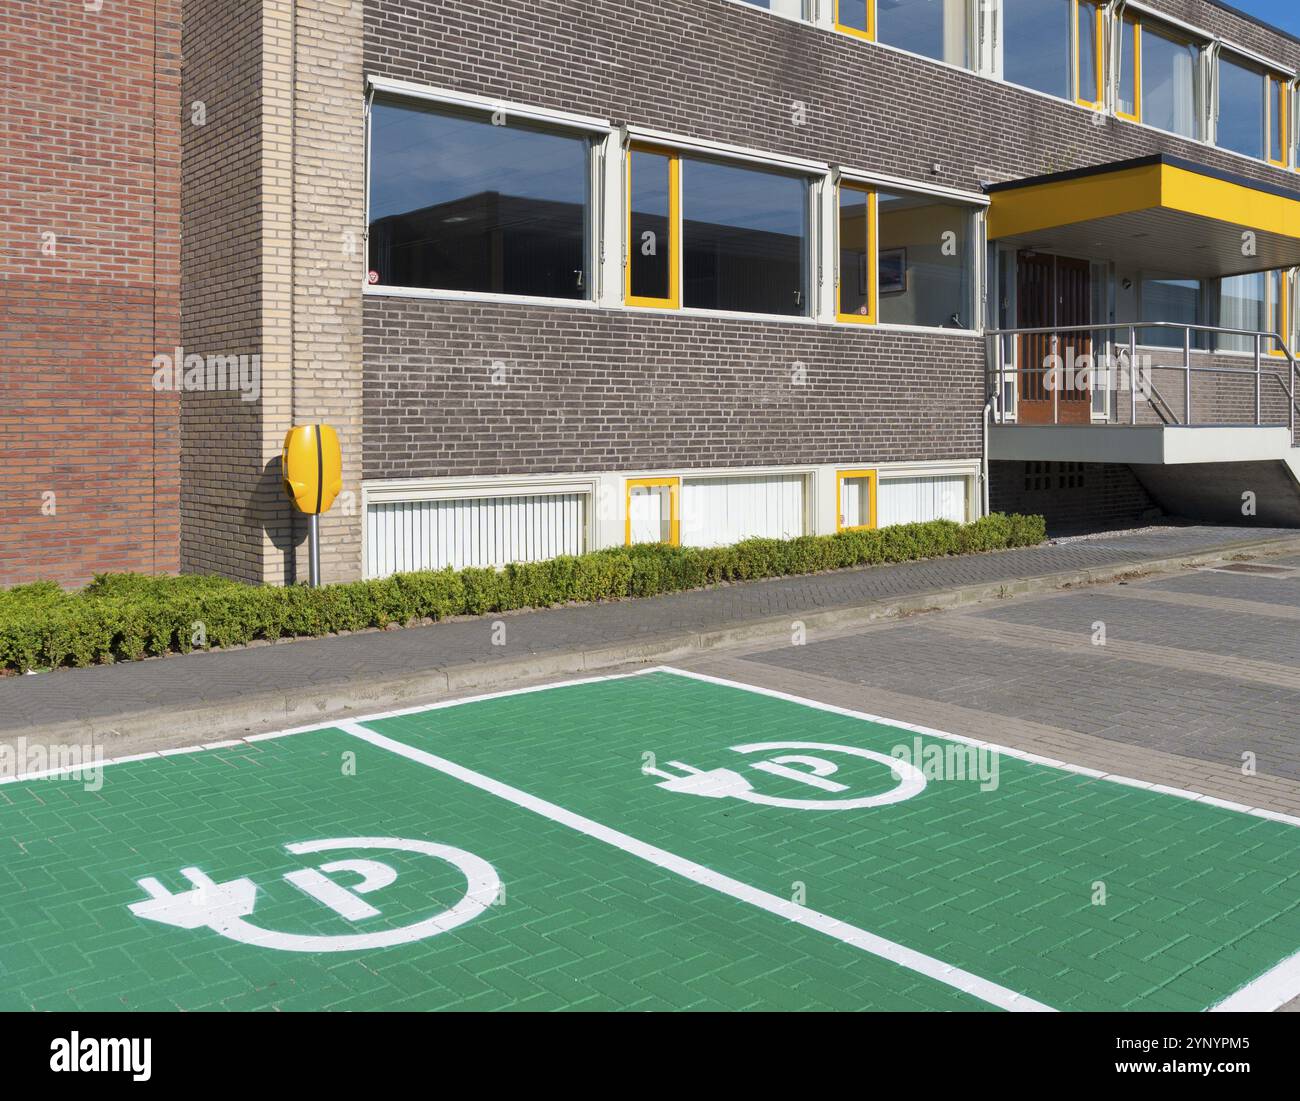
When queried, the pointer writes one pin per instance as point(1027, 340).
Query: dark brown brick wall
point(90, 152)
point(609, 389)
point(1071, 496)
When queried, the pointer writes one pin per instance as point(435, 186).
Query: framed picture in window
point(893, 271)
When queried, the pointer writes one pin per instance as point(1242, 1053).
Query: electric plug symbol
point(209, 904)
point(714, 783)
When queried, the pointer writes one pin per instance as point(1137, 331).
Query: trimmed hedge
point(124, 617)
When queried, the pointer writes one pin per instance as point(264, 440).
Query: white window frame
point(599, 131)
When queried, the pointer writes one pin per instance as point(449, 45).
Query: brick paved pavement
point(230, 676)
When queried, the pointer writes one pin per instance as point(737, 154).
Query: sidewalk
point(203, 696)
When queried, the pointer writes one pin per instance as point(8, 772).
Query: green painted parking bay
point(1074, 891)
point(651, 841)
point(548, 918)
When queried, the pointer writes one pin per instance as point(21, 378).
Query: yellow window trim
point(1136, 116)
point(873, 260)
point(1099, 39)
point(840, 477)
point(674, 299)
point(1279, 94)
point(870, 33)
point(674, 492)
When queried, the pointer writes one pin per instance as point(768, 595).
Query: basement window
point(653, 510)
point(458, 203)
point(855, 496)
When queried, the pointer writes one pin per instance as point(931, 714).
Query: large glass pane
point(1036, 45)
point(1176, 300)
point(851, 14)
point(744, 238)
point(1169, 96)
point(457, 203)
point(924, 261)
point(650, 244)
point(1241, 108)
point(1242, 304)
point(1089, 59)
point(934, 28)
point(1128, 69)
point(855, 253)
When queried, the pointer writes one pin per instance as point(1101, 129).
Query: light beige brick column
point(314, 257)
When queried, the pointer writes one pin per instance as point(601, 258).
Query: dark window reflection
point(934, 28)
point(855, 253)
point(649, 245)
point(457, 203)
point(1036, 45)
point(1241, 109)
point(745, 239)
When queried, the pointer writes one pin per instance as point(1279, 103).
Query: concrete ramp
point(1219, 491)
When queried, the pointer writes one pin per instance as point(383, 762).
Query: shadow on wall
point(282, 525)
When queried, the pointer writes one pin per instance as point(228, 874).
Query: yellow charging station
point(311, 465)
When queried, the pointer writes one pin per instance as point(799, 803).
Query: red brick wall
point(90, 153)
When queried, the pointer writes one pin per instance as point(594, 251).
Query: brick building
point(89, 288)
point(568, 274)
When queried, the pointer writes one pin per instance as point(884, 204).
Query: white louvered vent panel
point(718, 511)
point(473, 531)
point(910, 500)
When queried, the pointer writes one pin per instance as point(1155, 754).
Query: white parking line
point(922, 964)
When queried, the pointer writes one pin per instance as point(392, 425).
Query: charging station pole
point(313, 550)
point(311, 466)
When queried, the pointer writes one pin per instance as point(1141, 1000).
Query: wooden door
point(1056, 292)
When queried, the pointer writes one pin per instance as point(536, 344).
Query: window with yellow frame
point(653, 276)
point(856, 285)
point(1278, 123)
point(1129, 102)
point(856, 17)
point(1089, 50)
point(855, 499)
point(653, 511)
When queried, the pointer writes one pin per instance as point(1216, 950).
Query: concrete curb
point(153, 727)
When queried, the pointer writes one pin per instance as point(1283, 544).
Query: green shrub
point(125, 617)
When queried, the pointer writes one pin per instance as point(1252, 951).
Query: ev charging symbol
point(814, 772)
point(226, 907)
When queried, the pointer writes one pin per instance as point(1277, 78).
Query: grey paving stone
point(1204, 716)
point(180, 681)
point(1210, 631)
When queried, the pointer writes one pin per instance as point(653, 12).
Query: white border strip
point(453, 98)
point(922, 964)
point(1274, 988)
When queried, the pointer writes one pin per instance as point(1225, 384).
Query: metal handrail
point(997, 396)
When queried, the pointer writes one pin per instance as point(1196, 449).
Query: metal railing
point(998, 370)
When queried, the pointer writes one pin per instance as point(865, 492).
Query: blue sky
point(1281, 13)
